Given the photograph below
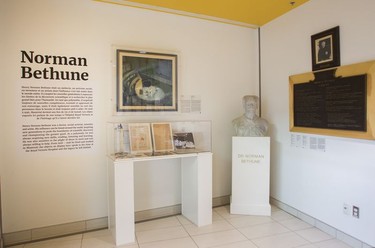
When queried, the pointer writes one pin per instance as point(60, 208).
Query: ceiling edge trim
point(177, 12)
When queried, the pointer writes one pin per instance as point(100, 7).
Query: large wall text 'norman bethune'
point(57, 103)
point(53, 69)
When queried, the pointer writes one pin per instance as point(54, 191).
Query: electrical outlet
point(347, 209)
point(356, 212)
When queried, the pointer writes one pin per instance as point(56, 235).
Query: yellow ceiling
point(251, 13)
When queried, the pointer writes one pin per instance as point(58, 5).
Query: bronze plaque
point(337, 102)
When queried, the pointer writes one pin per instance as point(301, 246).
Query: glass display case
point(130, 139)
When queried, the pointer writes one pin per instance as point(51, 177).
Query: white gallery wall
point(313, 181)
point(216, 61)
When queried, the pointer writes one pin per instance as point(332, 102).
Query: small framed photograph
point(146, 81)
point(162, 137)
point(183, 141)
point(140, 138)
point(325, 49)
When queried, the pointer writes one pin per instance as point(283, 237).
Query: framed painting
point(140, 138)
point(325, 49)
point(146, 81)
point(162, 137)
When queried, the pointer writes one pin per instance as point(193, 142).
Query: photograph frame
point(184, 141)
point(140, 138)
point(325, 49)
point(162, 137)
point(146, 81)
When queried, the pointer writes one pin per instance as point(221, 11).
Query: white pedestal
point(250, 176)
point(196, 170)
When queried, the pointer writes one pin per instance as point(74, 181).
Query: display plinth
point(196, 195)
point(250, 176)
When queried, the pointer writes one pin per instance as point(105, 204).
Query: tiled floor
point(281, 230)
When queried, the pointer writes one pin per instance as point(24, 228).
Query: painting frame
point(140, 138)
point(325, 49)
point(146, 81)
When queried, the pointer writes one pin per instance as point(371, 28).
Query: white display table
point(196, 195)
point(250, 176)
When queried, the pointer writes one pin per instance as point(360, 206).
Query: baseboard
point(221, 201)
point(156, 213)
point(48, 232)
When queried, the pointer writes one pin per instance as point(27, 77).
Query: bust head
point(250, 104)
point(249, 124)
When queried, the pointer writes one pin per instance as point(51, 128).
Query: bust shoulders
point(250, 127)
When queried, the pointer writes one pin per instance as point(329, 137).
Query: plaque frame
point(365, 68)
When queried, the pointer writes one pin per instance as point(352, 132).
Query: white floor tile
point(94, 234)
point(98, 242)
point(218, 238)
point(128, 246)
point(263, 230)
point(314, 235)
point(161, 234)
point(248, 220)
point(241, 244)
point(102, 239)
point(295, 224)
point(183, 220)
point(286, 240)
point(333, 243)
point(216, 216)
point(216, 226)
point(61, 243)
point(307, 246)
point(172, 243)
point(281, 215)
point(222, 211)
